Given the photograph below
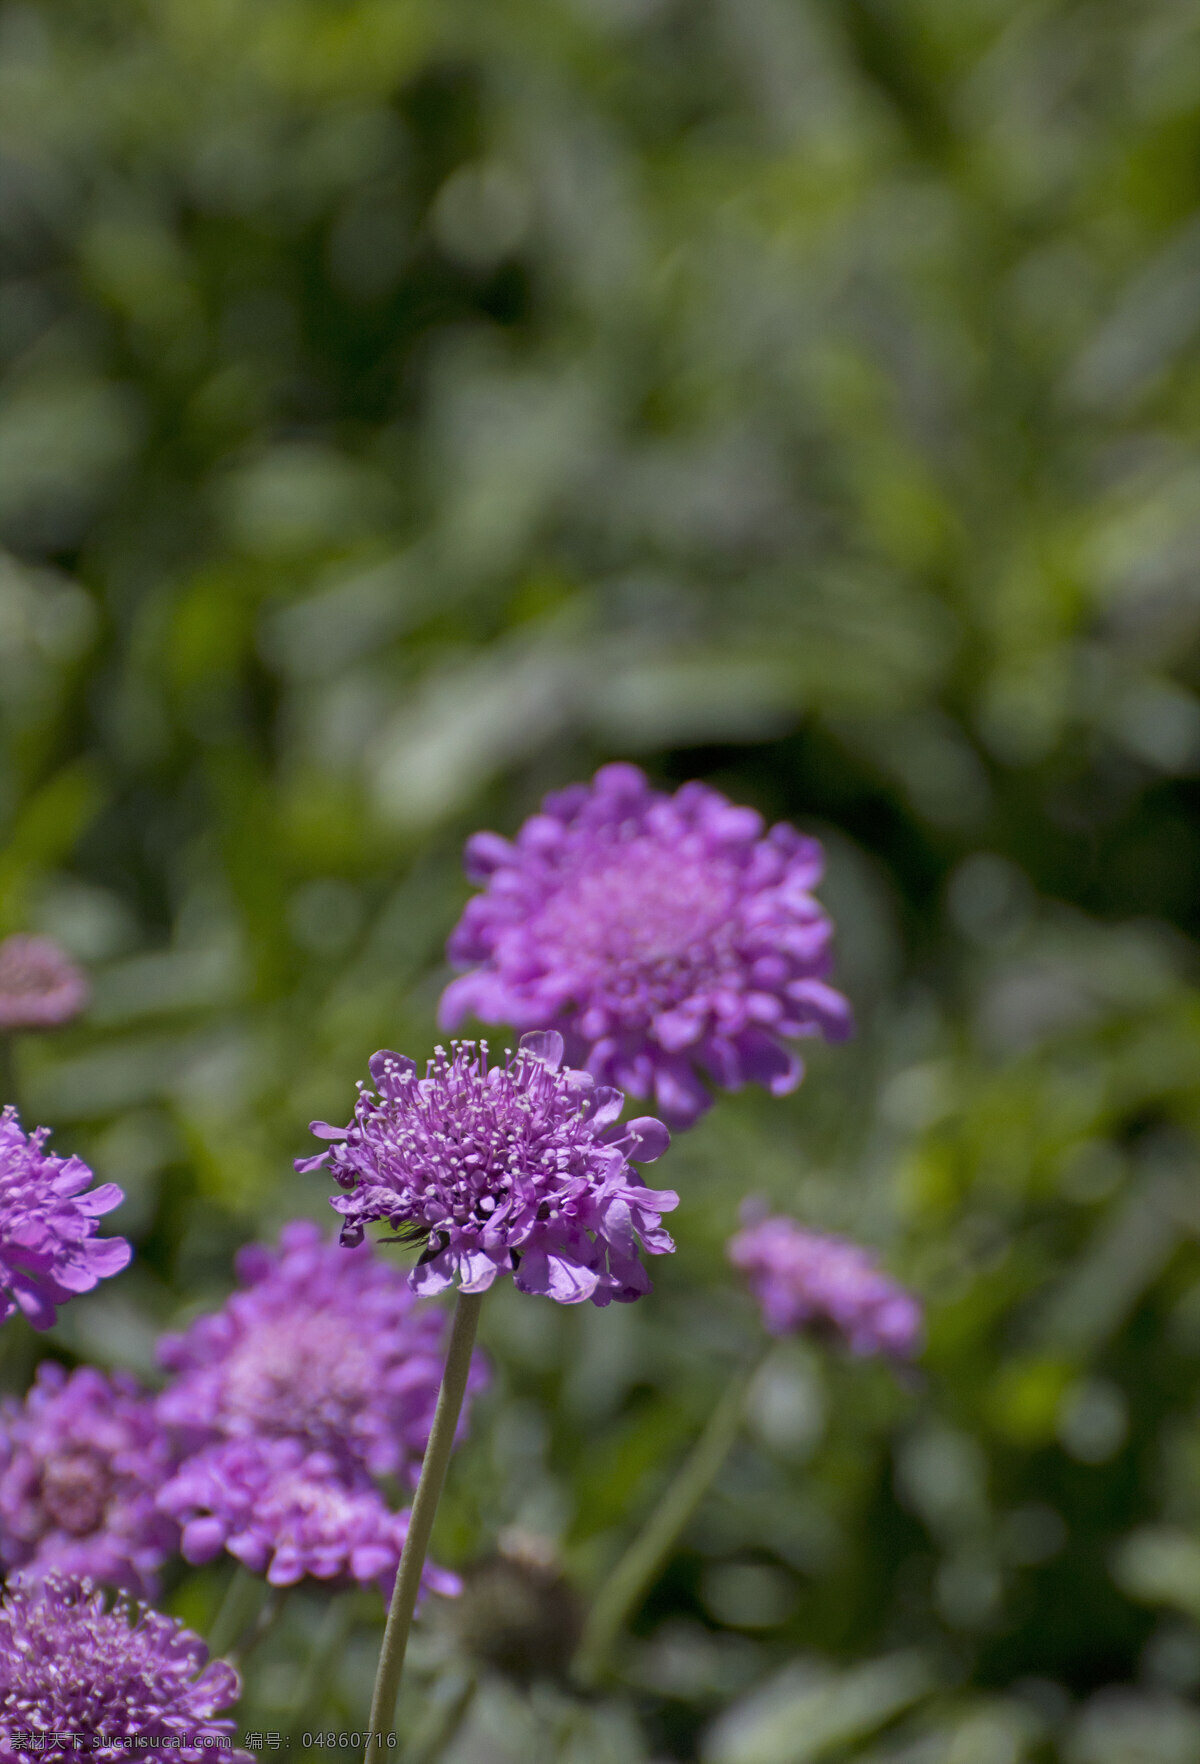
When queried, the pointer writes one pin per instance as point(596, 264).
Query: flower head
point(81, 1463)
point(322, 1347)
point(40, 986)
point(805, 1280)
point(113, 1678)
point(319, 1375)
point(668, 938)
point(520, 1167)
point(49, 1250)
point(519, 1613)
point(286, 1512)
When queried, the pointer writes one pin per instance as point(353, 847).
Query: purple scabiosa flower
point(106, 1681)
point(40, 986)
point(320, 1346)
point(48, 1247)
point(81, 1462)
point(517, 1168)
point(806, 1280)
point(286, 1512)
point(320, 1374)
point(668, 938)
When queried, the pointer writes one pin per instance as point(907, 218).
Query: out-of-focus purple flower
point(81, 1464)
point(286, 1512)
point(40, 986)
point(106, 1681)
point(668, 938)
point(806, 1280)
point(520, 1168)
point(49, 1250)
point(320, 1374)
point(323, 1347)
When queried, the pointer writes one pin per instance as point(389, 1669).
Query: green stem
point(8, 1074)
point(252, 1637)
point(309, 1696)
point(443, 1729)
point(245, 1597)
point(627, 1585)
point(420, 1525)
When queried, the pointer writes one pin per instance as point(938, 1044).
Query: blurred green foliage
point(407, 406)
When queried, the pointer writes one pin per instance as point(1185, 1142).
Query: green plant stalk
point(241, 1608)
point(628, 1583)
point(430, 1746)
point(8, 1073)
point(264, 1624)
point(420, 1526)
point(308, 1697)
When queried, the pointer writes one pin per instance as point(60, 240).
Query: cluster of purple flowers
point(49, 1250)
point(671, 940)
point(519, 1168)
point(317, 1378)
point(806, 1280)
point(661, 944)
point(285, 1410)
point(106, 1680)
point(83, 1458)
point(329, 1348)
point(288, 1513)
point(82, 1461)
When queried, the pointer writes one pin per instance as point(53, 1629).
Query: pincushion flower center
point(644, 931)
point(298, 1376)
point(462, 1163)
point(75, 1492)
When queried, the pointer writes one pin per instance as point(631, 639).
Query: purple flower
point(48, 1247)
point(805, 1280)
point(106, 1679)
point(40, 986)
point(666, 937)
point(81, 1463)
point(320, 1374)
point(329, 1349)
point(520, 1167)
point(286, 1512)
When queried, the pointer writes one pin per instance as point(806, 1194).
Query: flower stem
point(8, 1071)
point(431, 1746)
point(241, 1608)
point(324, 1657)
point(420, 1525)
point(627, 1585)
point(269, 1614)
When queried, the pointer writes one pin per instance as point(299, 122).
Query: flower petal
point(389, 1073)
point(554, 1276)
point(434, 1276)
point(767, 1062)
point(604, 1106)
point(679, 1094)
point(545, 1045)
point(651, 1138)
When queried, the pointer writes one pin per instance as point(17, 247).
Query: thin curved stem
point(245, 1597)
point(432, 1745)
point(420, 1526)
point(329, 1644)
point(627, 1585)
point(251, 1638)
point(8, 1073)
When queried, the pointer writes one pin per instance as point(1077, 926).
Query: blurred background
point(407, 407)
